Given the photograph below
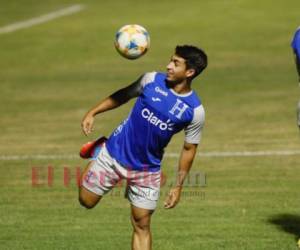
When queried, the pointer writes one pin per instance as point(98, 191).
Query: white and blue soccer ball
point(132, 41)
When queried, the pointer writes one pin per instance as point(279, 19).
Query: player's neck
point(182, 87)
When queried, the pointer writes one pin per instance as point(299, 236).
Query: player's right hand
point(87, 124)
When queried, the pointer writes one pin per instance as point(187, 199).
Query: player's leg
point(99, 178)
point(89, 150)
point(87, 198)
point(143, 192)
point(141, 237)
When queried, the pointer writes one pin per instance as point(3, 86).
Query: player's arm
point(185, 163)
point(297, 59)
point(192, 138)
point(111, 102)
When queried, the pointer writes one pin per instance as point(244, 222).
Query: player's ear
point(189, 73)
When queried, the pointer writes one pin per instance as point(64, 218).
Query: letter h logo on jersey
point(179, 108)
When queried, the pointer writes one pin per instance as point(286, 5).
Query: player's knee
point(85, 203)
point(141, 226)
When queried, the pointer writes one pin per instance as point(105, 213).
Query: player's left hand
point(173, 197)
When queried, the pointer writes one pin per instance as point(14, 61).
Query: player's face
point(177, 71)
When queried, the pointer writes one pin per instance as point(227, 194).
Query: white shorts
point(142, 188)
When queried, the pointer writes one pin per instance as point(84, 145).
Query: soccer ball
point(132, 41)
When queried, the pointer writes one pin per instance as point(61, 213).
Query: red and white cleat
point(91, 149)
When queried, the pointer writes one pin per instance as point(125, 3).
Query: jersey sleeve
point(296, 48)
point(193, 130)
point(296, 42)
point(147, 78)
point(135, 88)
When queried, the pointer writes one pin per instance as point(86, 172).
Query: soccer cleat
point(91, 149)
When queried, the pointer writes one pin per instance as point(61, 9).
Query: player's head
point(187, 62)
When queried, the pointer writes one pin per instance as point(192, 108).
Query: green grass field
point(51, 74)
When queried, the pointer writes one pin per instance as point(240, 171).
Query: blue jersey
point(159, 112)
point(296, 43)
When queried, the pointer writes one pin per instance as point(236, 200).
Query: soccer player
point(165, 105)
point(296, 49)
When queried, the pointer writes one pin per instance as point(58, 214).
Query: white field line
point(167, 155)
point(41, 19)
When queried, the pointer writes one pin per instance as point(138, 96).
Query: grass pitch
point(52, 73)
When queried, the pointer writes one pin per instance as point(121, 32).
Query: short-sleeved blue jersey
point(296, 43)
point(159, 112)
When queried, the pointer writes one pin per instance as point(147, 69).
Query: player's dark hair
point(195, 58)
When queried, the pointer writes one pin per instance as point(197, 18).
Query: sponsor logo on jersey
point(156, 99)
point(162, 92)
point(150, 117)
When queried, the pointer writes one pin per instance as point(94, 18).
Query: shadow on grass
point(289, 223)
